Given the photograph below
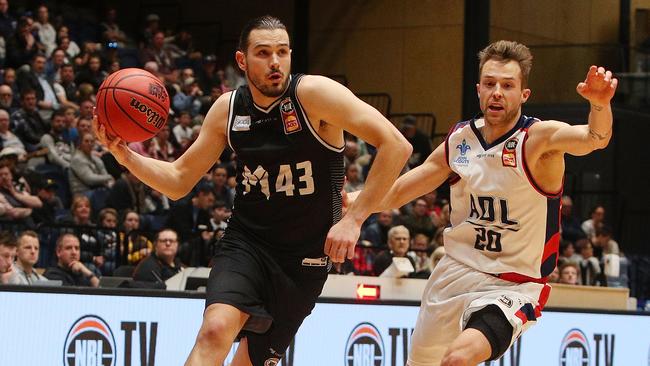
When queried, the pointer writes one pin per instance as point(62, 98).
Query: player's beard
point(268, 89)
point(507, 117)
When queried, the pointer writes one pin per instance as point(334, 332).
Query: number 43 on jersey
point(283, 182)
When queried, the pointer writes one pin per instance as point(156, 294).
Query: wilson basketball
point(132, 104)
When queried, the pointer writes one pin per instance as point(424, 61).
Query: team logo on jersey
point(575, 349)
point(289, 117)
point(89, 341)
point(511, 144)
point(241, 123)
point(505, 300)
point(463, 147)
point(364, 346)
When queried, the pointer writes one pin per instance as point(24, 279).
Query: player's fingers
point(614, 83)
point(350, 251)
point(341, 252)
point(608, 76)
point(601, 71)
point(328, 246)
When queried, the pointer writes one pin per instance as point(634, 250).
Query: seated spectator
point(571, 229)
point(111, 31)
point(188, 98)
point(107, 237)
point(69, 86)
point(186, 218)
point(86, 108)
point(8, 139)
point(590, 271)
point(35, 79)
point(208, 78)
point(18, 201)
point(222, 192)
point(70, 135)
point(421, 142)
point(134, 246)
point(53, 68)
point(567, 253)
point(596, 221)
point(7, 255)
point(87, 172)
point(129, 192)
point(83, 227)
point(92, 73)
point(398, 244)
point(28, 124)
point(604, 242)
point(70, 47)
point(158, 52)
point(69, 269)
point(143, 148)
point(7, 100)
point(52, 204)
point(23, 45)
point(45, 30)
point(162, 148)
point(59, 151)
point(183, 130)
point(420, 254)
point(417, 221)
point(354, 178)
point(377, 232)
point(569, 274)
point(220, 215)
point(554, 277)
point(26, 258)
point(162, 264)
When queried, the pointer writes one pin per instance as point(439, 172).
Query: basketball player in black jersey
point(287, 132)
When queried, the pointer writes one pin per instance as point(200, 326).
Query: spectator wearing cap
point(421, 143)
point(28, 124)
point(52, 204)
point(87, 171)
point(7, 100)
point(188, 98)
point(9, 139)
point(163, 263)
point(207, 75)
point(191, 217)
point(59, 152)
point(26, 257)
point(69, 269)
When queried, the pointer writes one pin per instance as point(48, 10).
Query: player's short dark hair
point(505, 51)
point(264, 22)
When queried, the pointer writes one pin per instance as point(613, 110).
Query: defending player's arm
point(176, 179)
point(598, 88)
point(328, 101)
point(415, 183)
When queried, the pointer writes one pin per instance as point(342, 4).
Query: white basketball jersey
point(502, 223)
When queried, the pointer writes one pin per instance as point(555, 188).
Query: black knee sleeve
point(495, 327)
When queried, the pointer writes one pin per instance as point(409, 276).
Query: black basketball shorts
point(278, 294)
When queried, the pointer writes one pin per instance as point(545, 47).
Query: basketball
point(132, 104)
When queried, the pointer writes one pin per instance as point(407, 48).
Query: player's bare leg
point(221, 324)
point(241, 357)
point(468, 349)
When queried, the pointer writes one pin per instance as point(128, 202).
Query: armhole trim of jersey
point(231, 106)
point(311, 128)
point(531, 180)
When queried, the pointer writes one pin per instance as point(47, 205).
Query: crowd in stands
point(68, 207)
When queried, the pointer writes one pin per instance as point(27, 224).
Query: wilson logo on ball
point(153, 118)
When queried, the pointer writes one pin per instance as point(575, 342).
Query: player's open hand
point(599, 86)
point(115, 145)
point(341, 240)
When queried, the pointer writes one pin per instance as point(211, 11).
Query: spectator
point(421, 142)
point(188, 98)
point(69, 269)
point(111, 31)
point(46, 32)
point(187, 217)
point(69, 86)
point(417, 221)
point(92, 73)
point(59, 151)
point(571, 229)
point(52, 204)
point(567, 253)
point(398, 244)
point(353, 178)
point(377, 232)
point(220, 186)
point(554, 277)
point(183, 130)
point(603, 242)
point(9, 140)
point(7, 21)
point(220, 214)
point(162, 149)
point(206, 103)
point(569, 274)
point(86, 108)
point(135, 247)
point(36, 79)
point(87, 172)
point(596, 221)
point(589, 266)
point(70, 134)
point(7, 101)
point(420, 255)
point(54, 64)
point(7, 255)
point(107, 236)
point(129, 192)
point(70, 47)
point(20, 200)
point(80, 217)
point(28, 124)
point(351, 152)
point(23, 46)
point(152, 27)
point(207, 75)
point(26, 258)
point(157, 52)
point(162, 264)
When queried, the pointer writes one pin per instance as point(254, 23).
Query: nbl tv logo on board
point(89, 342)
point(364, 347)
point(575, 349)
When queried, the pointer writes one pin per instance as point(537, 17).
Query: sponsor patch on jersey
point(315, 262)
point(511, 144)
point(509, 159)
point(289, 117)
point(241, 123)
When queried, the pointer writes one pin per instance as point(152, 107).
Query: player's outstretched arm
point(328, 101)
point(175, 179)
point(598, 88)
point(415, 183)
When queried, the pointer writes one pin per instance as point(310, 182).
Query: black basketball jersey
point(288, 179)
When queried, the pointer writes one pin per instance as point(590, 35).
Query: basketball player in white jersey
point(506, 173)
